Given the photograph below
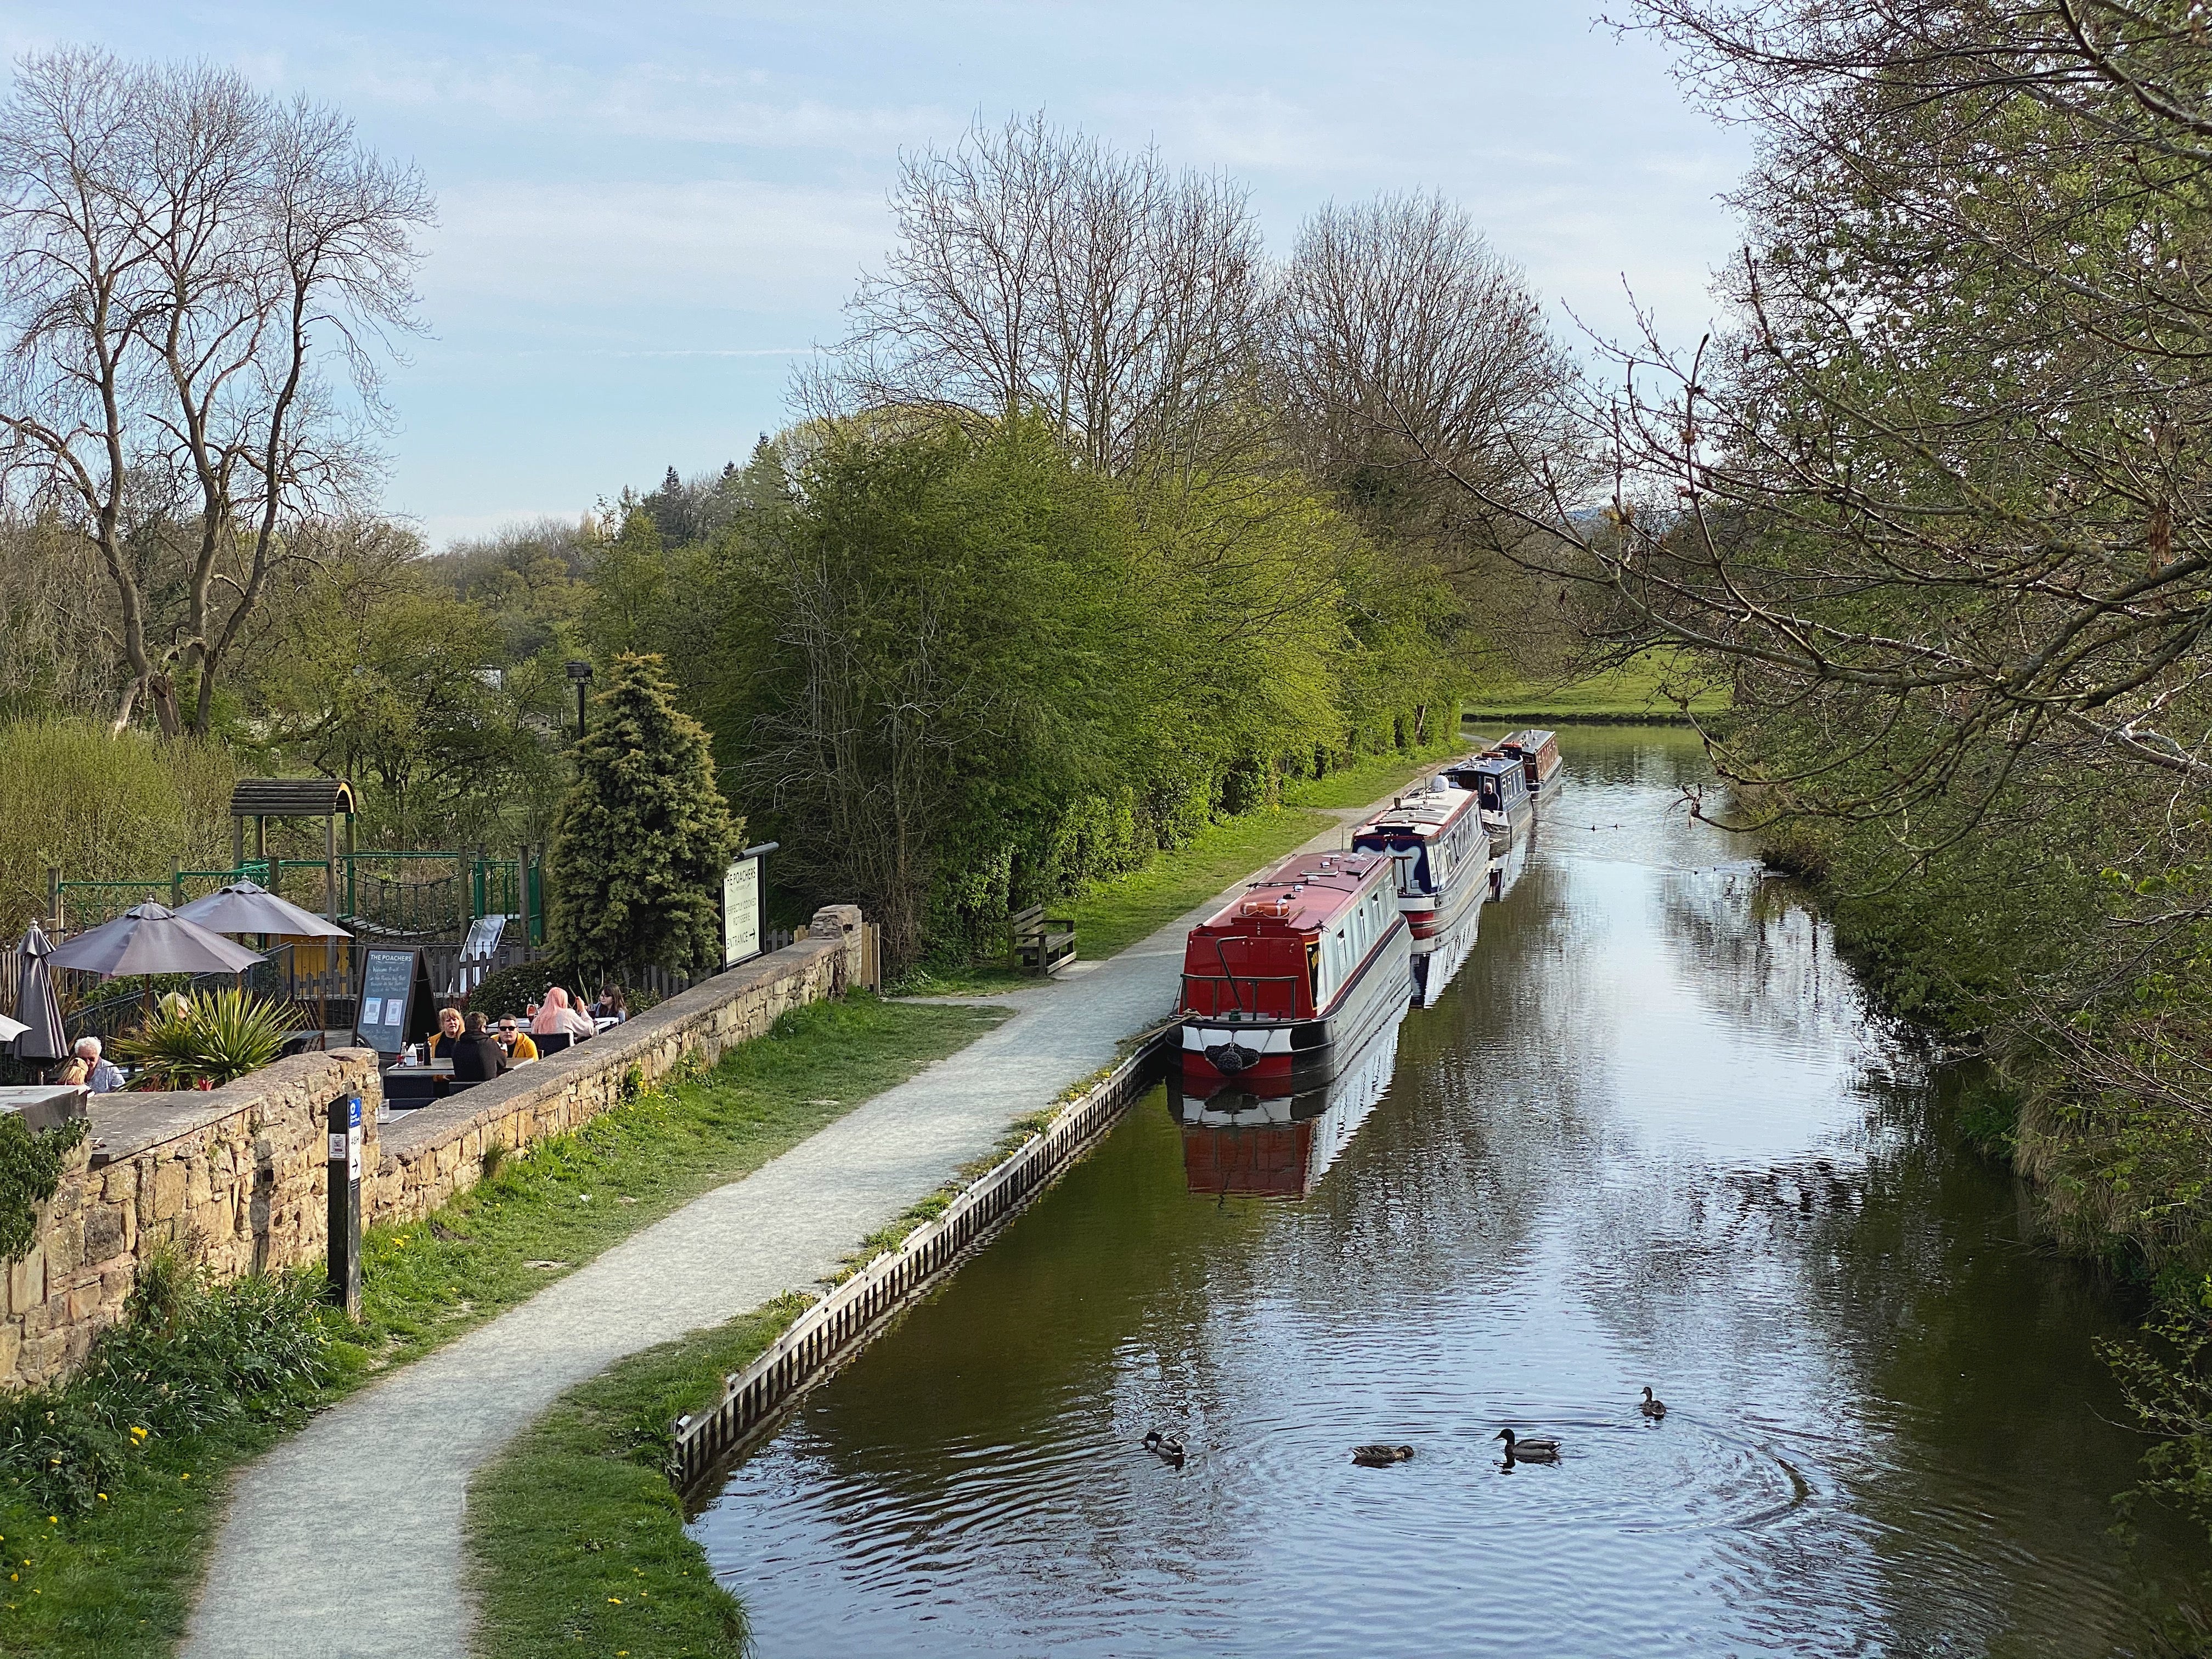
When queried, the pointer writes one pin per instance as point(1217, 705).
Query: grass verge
point(1646, 687)
point(106, 1548)
point(576, 1538)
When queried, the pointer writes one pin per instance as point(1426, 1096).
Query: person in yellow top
point(516, 1042)
point(449, 1032)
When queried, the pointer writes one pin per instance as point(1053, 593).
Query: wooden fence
point(843, 1321)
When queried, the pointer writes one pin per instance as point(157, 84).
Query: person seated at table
point(102, 1077)
point(477, 1056)
point(558, 1016)
point(611, 1005)
point(72, 1075)
point(450, 1031)
point(514, 1042)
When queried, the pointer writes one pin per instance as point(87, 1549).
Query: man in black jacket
point(476, 1058)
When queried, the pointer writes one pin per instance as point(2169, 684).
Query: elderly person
point(101, 1076)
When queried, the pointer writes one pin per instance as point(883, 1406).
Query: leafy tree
point(641, 842)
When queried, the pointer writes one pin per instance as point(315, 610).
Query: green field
point(1656, 685)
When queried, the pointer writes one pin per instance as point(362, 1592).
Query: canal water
point(1651, 1135)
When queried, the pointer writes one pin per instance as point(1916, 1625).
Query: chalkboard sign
point(394, 1007)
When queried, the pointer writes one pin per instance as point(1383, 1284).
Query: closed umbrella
point(36, 1005)
point(152, 938)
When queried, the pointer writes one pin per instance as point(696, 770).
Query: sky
point(647, 214)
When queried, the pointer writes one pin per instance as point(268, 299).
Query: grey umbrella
point(246, 906)
point(36, 1003)
point(152, 938)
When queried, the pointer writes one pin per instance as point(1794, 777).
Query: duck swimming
point(1375, 1457)
point(1536, 1449)
point(1651, 1407)
point(1169, 1451)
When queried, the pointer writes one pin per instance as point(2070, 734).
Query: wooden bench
point(1039, 943)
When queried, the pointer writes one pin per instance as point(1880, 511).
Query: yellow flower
point(617, 1600)
point(101, 1496)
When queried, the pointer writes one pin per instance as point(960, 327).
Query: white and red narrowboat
point(1437, 839)
point(1500, 784)
point(1284, 985)
point(1280, 1145)
point(1539, 755)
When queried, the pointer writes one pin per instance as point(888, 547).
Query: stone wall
point(236, 1178)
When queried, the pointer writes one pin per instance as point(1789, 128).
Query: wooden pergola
point(264, 798)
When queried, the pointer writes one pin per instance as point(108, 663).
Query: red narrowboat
point(1539, 755)
point(1437, 838)
point(1285, 984)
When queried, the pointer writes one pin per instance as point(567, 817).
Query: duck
point(1652, 1407)
point(1167, 1449)
point(1377, 1456)
point(1535, 1449)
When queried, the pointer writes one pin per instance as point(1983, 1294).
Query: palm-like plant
point(212, 1039)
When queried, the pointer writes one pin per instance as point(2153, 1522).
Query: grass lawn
point(577, 1539)
point(1643, 688)
point(117, 1578)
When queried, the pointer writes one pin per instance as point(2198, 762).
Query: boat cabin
point(1288, 947)
point(1499, 782)
point(1434, 837)
point(1538, 753)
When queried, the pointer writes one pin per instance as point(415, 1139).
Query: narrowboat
point(1500, 784)
point(1436, 838)
point(1284, 985)
point(1248, 1145)
point(1539, 755)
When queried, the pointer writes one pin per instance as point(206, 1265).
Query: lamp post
point(580, 673)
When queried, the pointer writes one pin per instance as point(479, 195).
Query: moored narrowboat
point(1436, 840)
point(1283, 986)
point(1500, 784)
point(1539, 755)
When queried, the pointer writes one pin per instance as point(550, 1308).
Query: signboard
point(342, 1251)
point(741, 911)
point(394, 1006)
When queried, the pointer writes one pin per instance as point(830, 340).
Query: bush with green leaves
point(31, 1165)
point(212, 1038)
point(186, 1359)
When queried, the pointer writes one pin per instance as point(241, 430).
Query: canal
point(1651, 1135)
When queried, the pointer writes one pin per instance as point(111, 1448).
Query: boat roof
point(1308, 891)
point(1427, 813)
point(1530, 738)
point(1493, 764)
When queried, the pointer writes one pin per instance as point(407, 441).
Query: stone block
point(11, 1348)
point(199, 1186)
point(120, 1185)
point(169, 1190)
point(26, 1280)
point(65, 1246)
point(104, 1233)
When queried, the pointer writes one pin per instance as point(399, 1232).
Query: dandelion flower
point(617, 1600)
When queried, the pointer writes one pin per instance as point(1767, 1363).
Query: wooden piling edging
point(844, 1321)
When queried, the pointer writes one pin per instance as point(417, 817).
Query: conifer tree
point(641, 841)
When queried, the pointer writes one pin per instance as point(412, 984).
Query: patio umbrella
point(152, 938)
point(246, 906)
point(35, 1004)
point(11, 1029)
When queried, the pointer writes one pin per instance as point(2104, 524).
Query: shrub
point(31, 1164)
point(104, 808)
point(213, 1039)
point(184, 1360)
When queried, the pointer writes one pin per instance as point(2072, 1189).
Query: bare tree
point(1400, 336)
point(1039, 271)
point(183, 262)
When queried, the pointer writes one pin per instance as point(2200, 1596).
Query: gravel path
point(346, 1542)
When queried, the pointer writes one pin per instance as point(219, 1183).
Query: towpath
point(346, 1542)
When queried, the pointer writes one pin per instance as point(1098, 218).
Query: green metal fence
point(413, 894)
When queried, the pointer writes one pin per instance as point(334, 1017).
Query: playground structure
point(429, 899)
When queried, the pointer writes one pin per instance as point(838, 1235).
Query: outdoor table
point(419, 1084)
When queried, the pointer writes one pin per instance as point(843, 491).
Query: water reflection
point(1250, 1145)
point(1648, 1136)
